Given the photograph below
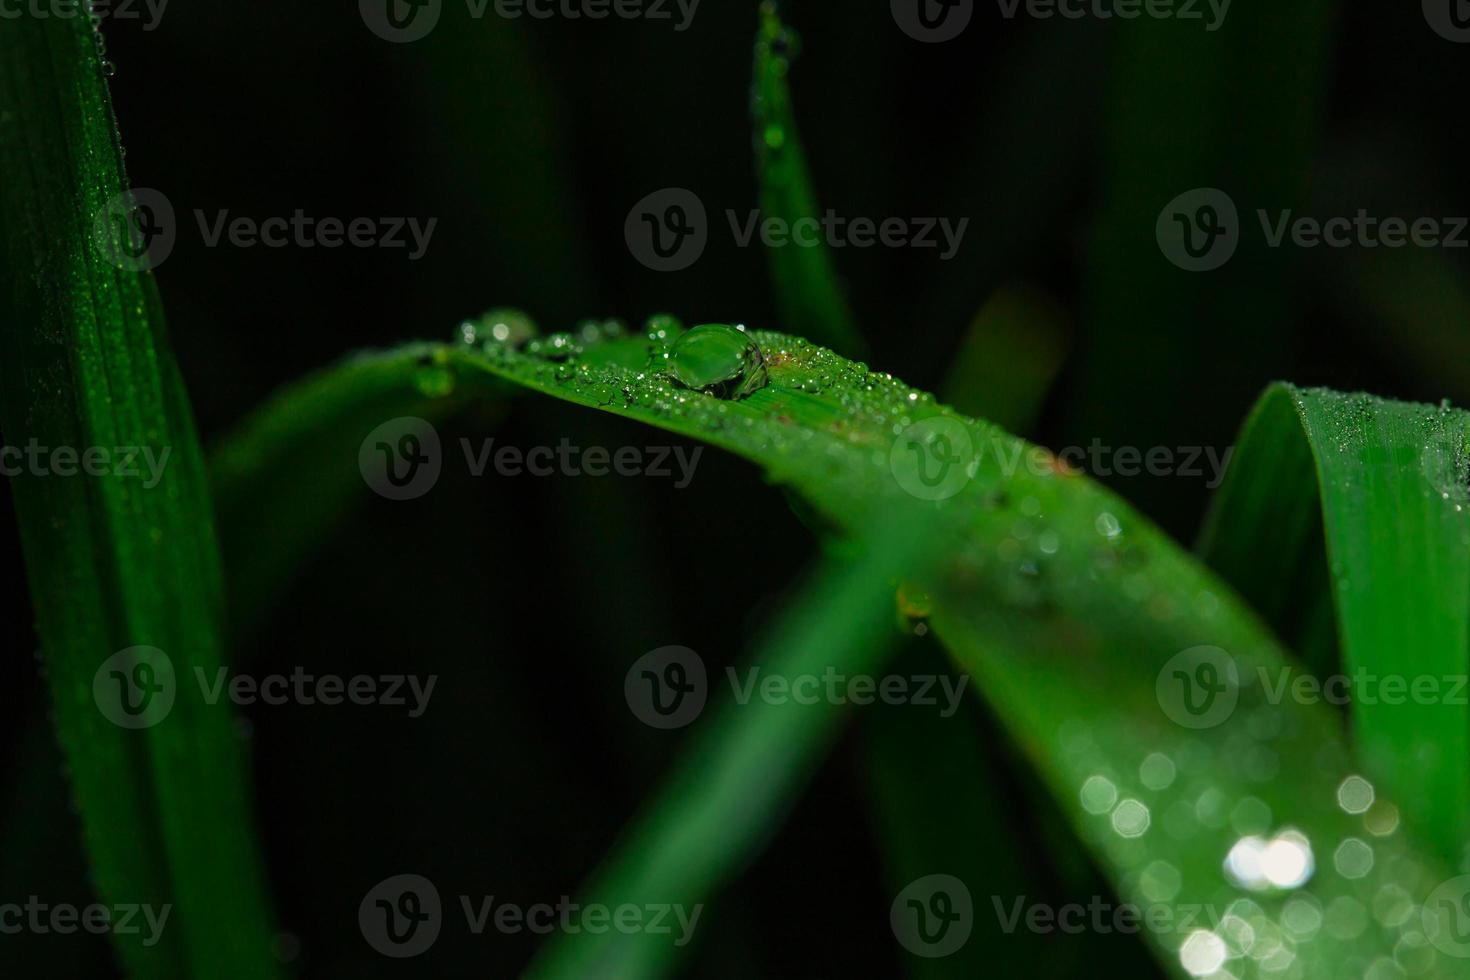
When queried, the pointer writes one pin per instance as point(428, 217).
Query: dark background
point(529, 141)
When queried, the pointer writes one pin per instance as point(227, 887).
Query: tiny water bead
point(557, 347)
point(719, 359)
point(505, 325)
point(662, 328)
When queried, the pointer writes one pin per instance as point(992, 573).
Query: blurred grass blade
point(809, 292)
point(1266, 64)
point(286, 476)
point(1387, 481)
point(747, 762)
point(114, 562)
point(1009, 358)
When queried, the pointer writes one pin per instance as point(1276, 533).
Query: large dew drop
point(718, 359)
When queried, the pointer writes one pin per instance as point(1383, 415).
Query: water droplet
point(1355, 795)
point(1098, 794)
point(1131, 818)
point(719, 359)
point(1107, 525)
point(662, 328)
point(1202, 953)
point(1353, 858)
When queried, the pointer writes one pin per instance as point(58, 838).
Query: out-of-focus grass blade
point(115, 561)
point(747, 762)
point(808, 291)
point(1387, 481)
point(288, 473)
point(1265, 64)
point(1009, 359)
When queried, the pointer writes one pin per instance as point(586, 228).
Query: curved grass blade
point(278, 492)
point(808, 290)
point(745, 764)
point(116, 561)
point(1071, 613)
point(1387, 482)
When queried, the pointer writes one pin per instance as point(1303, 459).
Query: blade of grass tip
point(745, 763)
point(1266, 65)
point(1387, 483)
point(1133, 678)
point(117, 561)
point(809, 293)
point(1009, 358)
point(289, 472)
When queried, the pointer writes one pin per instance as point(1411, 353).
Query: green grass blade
point(746, 763)
point(1386, 481)
point(1068, 610)
point(1268, 65)
point(1009, 358)
point(278, 493)
point(809, 292)
point(84, 362)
